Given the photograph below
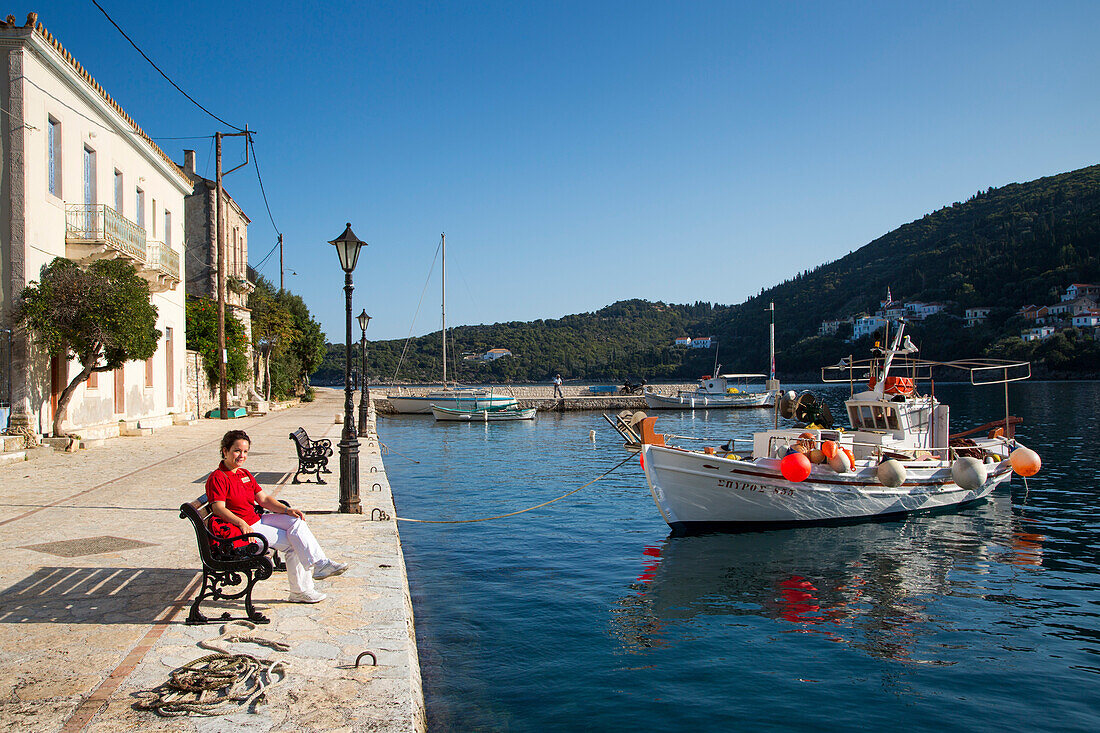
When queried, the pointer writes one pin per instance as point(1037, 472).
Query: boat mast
point(443, 306)
point(772, 383)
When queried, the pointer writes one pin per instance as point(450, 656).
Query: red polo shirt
point(238, 491)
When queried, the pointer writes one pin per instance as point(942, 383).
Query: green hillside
point(1003, 248)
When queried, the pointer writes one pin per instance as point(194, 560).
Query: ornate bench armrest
point(228, 549)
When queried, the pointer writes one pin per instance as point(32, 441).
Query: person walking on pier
point(234, 494)
point(557, 387)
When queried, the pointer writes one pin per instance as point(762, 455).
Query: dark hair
point(232, 437)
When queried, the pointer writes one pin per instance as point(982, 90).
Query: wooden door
point(57, 382)
point(120, 390)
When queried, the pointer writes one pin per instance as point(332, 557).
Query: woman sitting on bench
point(233, 494)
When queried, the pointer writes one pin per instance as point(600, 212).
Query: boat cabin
point(879, 423)
point(723, 384)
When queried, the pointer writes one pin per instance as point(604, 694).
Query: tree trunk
point(66, 395)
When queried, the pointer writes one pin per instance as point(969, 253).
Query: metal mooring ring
point(374, 469)
point(376, 486)
point(382, 516)
point(373, 659)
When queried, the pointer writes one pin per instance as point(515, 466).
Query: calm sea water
point(588, 615)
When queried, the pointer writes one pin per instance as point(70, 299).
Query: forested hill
point(1003, 248)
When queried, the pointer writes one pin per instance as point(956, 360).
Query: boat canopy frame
point(849, 370)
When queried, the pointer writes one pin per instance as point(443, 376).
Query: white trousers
point(290, 536)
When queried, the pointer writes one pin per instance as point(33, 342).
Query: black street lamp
point(347, 248)
point(364, 394)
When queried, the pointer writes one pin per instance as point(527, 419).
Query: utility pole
point(281, 286)
point(219, 234)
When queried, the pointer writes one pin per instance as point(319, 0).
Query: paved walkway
point(98, 571)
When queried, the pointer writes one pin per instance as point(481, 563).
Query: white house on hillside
point(494, 354)
point(83, 181)
point(974, 316)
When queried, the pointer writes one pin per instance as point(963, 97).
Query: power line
point(167, 78)
point(256, 164)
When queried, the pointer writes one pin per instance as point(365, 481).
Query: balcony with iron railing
point(94, 231)
point(162, 266)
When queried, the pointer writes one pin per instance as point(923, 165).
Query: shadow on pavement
point(75, 595)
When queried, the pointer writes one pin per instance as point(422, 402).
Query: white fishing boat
point(722, 390)
point(489, 414)
point(453, 397)
point(899, 455)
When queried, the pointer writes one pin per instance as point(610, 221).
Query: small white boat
point(897, 457)
point(489, 414)
point(723, 390)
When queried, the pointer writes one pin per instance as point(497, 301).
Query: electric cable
point(167, 78)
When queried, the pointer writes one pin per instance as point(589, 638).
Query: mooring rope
point(386, 449)
point(521, 511)
point(209, 685)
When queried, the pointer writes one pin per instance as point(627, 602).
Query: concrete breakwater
point(577, 397)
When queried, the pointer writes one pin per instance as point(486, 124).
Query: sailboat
point(454, 397)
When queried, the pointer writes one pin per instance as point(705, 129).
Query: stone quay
point(100, 571)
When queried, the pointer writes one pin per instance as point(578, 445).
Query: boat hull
point(410, 405)
point(493, 415)
point(695, 491)
point(695, 401)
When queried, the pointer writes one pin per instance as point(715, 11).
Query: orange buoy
point(795, 467)
point(829, 448)
point(1025, 461)
point(851, 458)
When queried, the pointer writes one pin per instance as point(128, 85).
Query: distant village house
point(494, 354)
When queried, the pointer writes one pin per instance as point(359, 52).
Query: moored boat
point(898, 456)
point(456, 398)
point(722, 390)
point(486, 414)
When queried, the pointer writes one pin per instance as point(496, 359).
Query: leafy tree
point(101, 313)
point(272, 330)
point(202, 336)
point(282, 319)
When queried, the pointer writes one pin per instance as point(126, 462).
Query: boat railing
point(783, 443)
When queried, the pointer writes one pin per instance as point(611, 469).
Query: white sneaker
point(312, 596)
point(328, 568)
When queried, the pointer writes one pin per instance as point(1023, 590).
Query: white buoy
point(890, 473)
point(840, 462)
point(969, 473)
point(592, 435)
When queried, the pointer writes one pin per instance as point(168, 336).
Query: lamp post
point(364, 395)
point(347, 248)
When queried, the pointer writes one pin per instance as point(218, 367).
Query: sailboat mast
point(772, 384)
point(443, 306)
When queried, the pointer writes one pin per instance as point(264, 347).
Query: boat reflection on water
point(874, 585)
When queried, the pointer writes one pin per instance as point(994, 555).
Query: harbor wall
point(577, 397)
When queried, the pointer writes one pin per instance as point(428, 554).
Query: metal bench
point(313, 455)
point(226, 567)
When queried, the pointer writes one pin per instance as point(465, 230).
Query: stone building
point(201, 260)
point(82, 180)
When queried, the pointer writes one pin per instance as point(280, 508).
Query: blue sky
point(580, 153)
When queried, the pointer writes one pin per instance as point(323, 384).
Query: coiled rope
point(212, 684)
point(521, 511)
